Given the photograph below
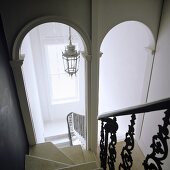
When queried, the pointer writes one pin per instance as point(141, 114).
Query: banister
point(76, 127)
point(143, 108)
point(69, 130)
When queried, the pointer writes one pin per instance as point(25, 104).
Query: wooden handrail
point(148, 107)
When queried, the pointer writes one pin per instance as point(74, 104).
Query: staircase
point(46, 156)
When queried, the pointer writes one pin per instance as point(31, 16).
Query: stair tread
point(83, 166)
point(89, 156)
point(37, 163)
point(75, 153)
point(50, 151)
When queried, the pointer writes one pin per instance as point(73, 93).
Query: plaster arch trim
point(46, 19)
point(112, 26)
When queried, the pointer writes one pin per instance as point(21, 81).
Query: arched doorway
point(52, 94)
point(25, 70)
point(125, 69)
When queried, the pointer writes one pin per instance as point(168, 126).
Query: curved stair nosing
point(51, 152)
point(37, 163)
point(75, 153)
point(68, 158)
point(82, 166)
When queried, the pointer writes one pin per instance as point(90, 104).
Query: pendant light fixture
point(71, 57)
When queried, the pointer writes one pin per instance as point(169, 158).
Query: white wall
point(59, 34)
point(160, 84)
point(32, 90)
point(123, 67)
point(60, 111)
point(37, 60)
point(17, 14)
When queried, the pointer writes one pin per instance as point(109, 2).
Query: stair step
point(63, 144)
point(75, 153)
point(51, 152)
point(56, 137)
point(89, 156)
point(61, 140)
point(36, 163)
point(83, 166)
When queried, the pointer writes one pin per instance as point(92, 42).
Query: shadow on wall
point(13, 141)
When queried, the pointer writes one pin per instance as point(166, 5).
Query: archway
point(34, 66)
point(125, 69)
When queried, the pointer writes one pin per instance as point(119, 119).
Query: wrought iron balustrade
point(109, 127)
point(76, 127)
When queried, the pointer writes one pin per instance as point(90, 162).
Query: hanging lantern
point(71, 57)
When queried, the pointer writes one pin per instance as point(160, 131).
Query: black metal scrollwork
point(103, 157)
point(111, 127)
point(127, 149)
point(159, 145)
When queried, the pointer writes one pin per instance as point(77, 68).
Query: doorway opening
point(51, 93)
point(125, 70)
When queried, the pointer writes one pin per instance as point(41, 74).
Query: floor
point(60, 128)
point(57, 133)
point(55, 128)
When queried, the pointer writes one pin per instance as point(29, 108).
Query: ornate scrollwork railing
point(126, 153)
point(159, 146)
point(109, 127)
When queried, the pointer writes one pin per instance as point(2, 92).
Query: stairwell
point(47, 156)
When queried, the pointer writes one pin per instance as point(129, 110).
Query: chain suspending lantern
point(71, 57)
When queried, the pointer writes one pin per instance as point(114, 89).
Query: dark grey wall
point(13, 141)
point(115, 12)
point(16, 14)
